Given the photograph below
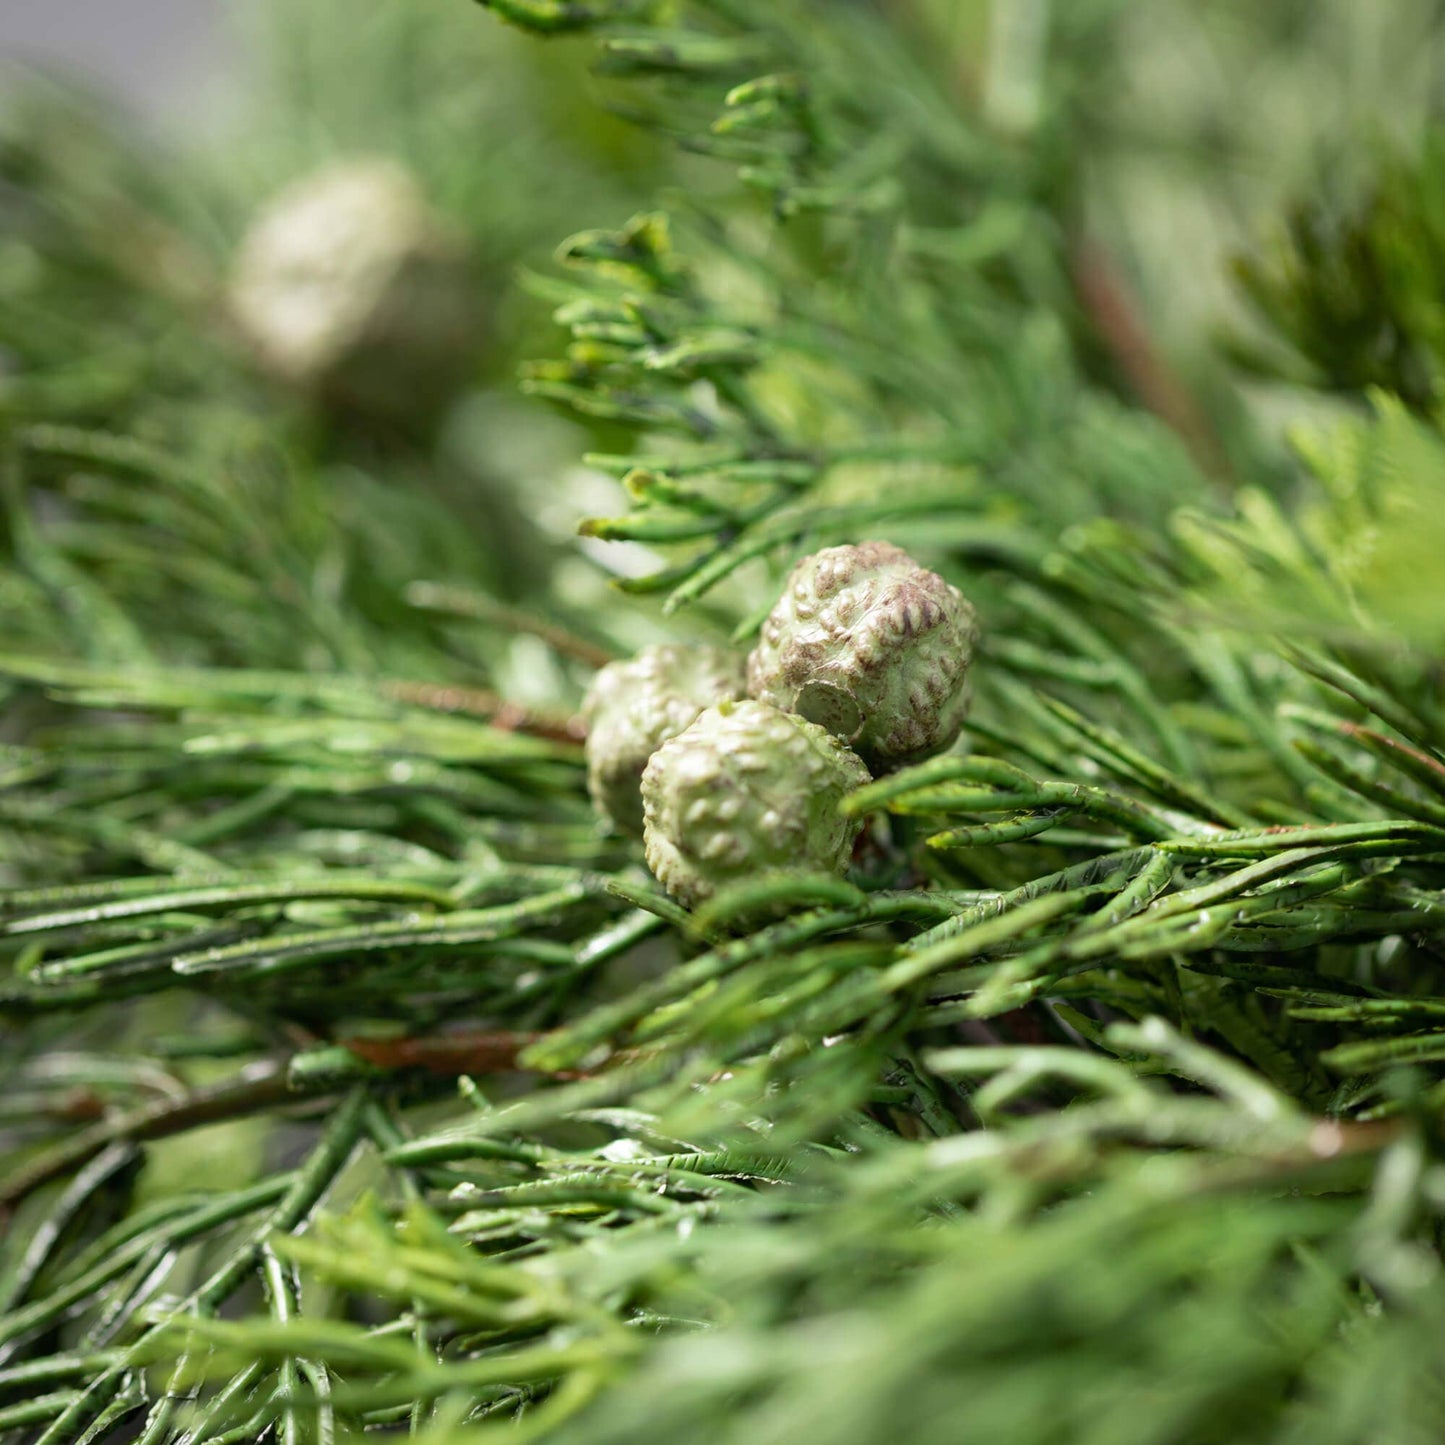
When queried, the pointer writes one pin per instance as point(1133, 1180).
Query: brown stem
point(498, 711)
point(255, 1090)
point(449, 1055)
point(1356, 730)
point(1112, 308)
point(437, 597)
point(263, 1087)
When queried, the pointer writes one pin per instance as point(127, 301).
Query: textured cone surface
point(747, 788)
point(633, 707)
point(873, 647)
point(348, 287)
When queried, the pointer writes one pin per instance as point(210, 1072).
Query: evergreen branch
point(1129, 1015)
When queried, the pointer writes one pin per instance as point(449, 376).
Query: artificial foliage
point(359, 1080)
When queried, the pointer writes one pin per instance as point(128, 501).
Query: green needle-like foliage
point(357, 1082)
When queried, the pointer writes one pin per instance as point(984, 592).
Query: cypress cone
point(350, 289)
point(873, 647)
point(745, 789)
point(633, 707)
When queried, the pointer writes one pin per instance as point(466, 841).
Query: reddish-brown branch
point(485, 1051)
point(460, 603)
point(260, 1089)
point(498, 711)
point(254, 1092)
point(1355, 730)
point(1114, 312)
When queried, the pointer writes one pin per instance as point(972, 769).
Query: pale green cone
point(633, 707)
point(873, 647)
point(746, 789)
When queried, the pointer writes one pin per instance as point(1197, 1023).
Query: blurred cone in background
point(352, 290)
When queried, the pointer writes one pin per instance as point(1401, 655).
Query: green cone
point(633, 707)
point(746, 788)
point(351, 290)
point(873, 647)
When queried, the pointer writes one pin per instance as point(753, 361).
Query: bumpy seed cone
point(633, 707)
point(351, 289)
point(746, 788)
point(873, 647)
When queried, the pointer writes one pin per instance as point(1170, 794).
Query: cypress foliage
point(357, 1080)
